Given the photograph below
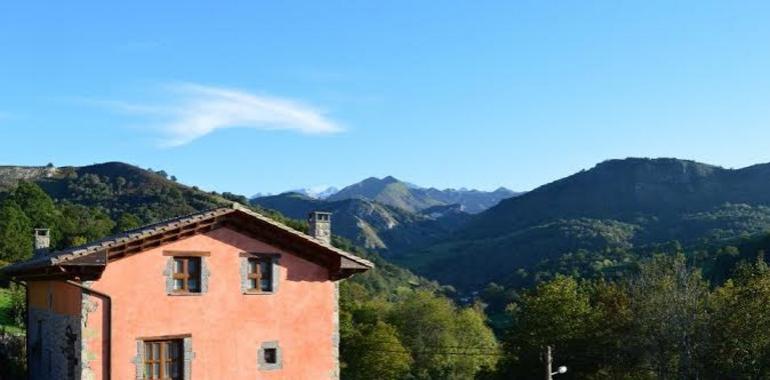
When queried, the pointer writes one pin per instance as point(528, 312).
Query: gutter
point(106, 327)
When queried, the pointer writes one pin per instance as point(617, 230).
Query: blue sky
point(267, 96)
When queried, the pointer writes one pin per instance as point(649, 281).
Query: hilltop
point(617, 205)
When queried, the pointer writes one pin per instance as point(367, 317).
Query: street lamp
point(549, 362)
point(562, 369)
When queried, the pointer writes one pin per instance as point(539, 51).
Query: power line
point(435, 352)
point(459, 346)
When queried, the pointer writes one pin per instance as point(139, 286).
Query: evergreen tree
point(15, 233)
point(38, 207)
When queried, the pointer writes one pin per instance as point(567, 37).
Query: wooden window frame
point(272, 260)
point(163, 357)
point(185, 275)
point(258, 276)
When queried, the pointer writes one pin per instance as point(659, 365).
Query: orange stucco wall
point(227, 327)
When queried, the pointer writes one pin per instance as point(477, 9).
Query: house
point(221, 294)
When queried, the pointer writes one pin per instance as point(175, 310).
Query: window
point(187, 275)
point(186, 272)
point(163, 360)
point(269, 356)
point(260, 274)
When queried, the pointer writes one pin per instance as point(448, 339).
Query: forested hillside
point(377, 327)
point(605, 215)
point(633, 270)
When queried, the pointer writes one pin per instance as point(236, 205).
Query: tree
point(127, 221)
point(497, 297)
point(478, 345)
point(740, 326)
point(38, 207)
point(18, 304)
point(120, 184)
point(81, 224)
point(424, 324)
point(606, 343)
point(668, 304)
point(437, 335)
point(375, 352)
point(556, 313)
point(235, 198)
point(15, 232)
point(369, 346)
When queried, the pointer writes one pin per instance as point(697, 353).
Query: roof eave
point(97, 254)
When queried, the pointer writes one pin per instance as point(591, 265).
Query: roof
point(88, 261)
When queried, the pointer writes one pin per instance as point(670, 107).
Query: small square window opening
point(271, 355)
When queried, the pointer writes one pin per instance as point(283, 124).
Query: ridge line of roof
point(71, 253)
point(238, 207)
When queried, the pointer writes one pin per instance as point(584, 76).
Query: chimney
point(42, 240)
point(320, 226)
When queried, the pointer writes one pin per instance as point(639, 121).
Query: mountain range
point(388, 215)
point(370, 224)
point(318, 192)
point(619, 205)
point(114, 193)
point(393, 192)
point(592, 220)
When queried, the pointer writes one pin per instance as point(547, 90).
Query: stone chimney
point(320, 226)
point(42, 240)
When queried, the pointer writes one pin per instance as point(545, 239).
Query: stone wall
point(55, 345)
point(88, 330)
point(335, 374)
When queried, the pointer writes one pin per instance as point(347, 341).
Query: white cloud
point(199, 110)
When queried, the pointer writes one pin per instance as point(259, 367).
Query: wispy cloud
point(198, 110)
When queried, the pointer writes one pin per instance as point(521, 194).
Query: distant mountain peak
point(315, 192)
point(394, 192)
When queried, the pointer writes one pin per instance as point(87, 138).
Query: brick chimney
point(42, 241)
point(320, 226)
